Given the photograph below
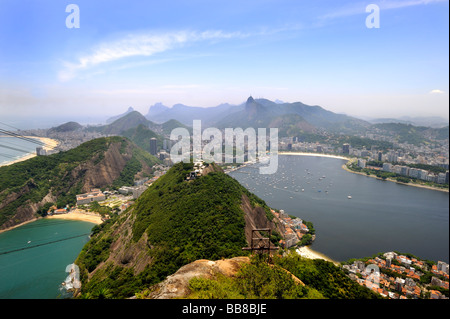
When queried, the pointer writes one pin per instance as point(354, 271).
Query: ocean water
point(33, 257)
point(381, 216)
point(12, 148)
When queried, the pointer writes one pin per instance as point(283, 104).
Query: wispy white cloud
point(387, 4)
point(142, 44)
point(437, 92)
point(360, 8)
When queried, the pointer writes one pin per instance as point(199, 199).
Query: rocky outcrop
point(255, 218)
point(177, 285)
point(124, 252)
point(106, 171)
point(24, 213)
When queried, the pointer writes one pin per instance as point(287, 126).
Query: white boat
point(349, 197)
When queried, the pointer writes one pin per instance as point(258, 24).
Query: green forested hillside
point(174, 223)
point(130, 120)
point(405, 133)
point(328, 279)
point(141, 136)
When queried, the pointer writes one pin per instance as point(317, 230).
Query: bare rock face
point(177, 285)
point(255, 217)
point(105, 172)
point(26, 212)
point(124, 252)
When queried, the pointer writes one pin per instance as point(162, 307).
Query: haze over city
point(203, 53)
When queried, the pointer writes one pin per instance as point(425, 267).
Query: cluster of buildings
point(402, 281)
point(294, 229)
point(129, 192)
point(403, 170)
point(407, 154)
point(164, 153)
point(135, 191)
point(66, 140)
point(95, 195)
point(440, 178)
point(197, 171)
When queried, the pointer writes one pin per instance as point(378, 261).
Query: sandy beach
point(313, 154)
point(74, 215)
point(307, 252)
point(50, 144)
point(78, 215)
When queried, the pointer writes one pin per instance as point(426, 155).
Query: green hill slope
point(172, 223)
point(141, 136)
point(126, 122)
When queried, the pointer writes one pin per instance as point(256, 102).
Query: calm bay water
point(381, 216)
point(33, 257)
point(12, 148)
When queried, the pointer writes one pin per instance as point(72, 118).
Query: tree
point(402, 179)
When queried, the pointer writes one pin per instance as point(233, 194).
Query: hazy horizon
point(202, 53)
point(52, 121)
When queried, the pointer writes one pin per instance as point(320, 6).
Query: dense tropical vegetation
point(182, 220)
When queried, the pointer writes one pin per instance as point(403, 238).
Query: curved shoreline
point(444, 190)
point(315, 154)
point(363, 174)
point(50, 144)
point(76, 215)
point(21, 224)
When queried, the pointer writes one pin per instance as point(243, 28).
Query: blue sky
point(204, 53)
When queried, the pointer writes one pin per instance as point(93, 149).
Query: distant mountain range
point(407, 133)
point(310, 123)
point(160, 113)
point(429, 121)
point(133, 119)
point(259, 113)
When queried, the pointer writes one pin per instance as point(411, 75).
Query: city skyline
point(203, 54)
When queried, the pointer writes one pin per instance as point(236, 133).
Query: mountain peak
point(158, 106)
point(114, 118)
point(253, 108)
